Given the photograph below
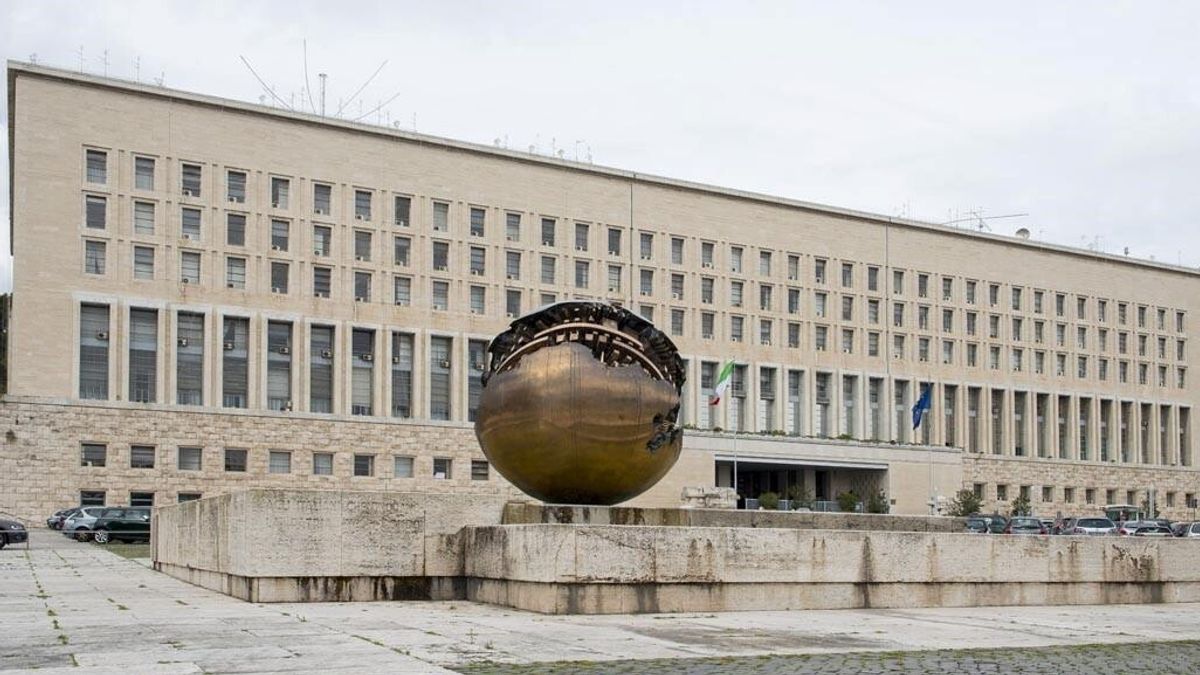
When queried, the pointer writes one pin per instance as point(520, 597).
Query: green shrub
point(769, 500)
point(878, 503)
point(847, 501)
point(801, 496)
point(965, 503)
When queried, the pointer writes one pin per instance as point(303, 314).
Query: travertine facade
point(210, 264)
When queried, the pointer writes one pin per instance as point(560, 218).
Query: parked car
point(127, 524)
point(1127, 527)
point(1152, 531)
point(1092, 526)
point(996, 523)
point(978, 525)
point(79, 526)
point(1063, 525)
point(1047, 523)
point(12, 532)
point(55, 522)
point(1191, 531)
point(1025, 525)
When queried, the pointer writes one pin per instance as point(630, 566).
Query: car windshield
point(1026, 522)
point(1094, 522)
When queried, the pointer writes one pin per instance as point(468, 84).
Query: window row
point(1052, 494)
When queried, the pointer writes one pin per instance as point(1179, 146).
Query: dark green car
point(124, 523)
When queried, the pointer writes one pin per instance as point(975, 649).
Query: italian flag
point(722, 383)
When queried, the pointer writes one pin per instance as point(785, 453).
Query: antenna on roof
point(307, 88)
point(266, 88)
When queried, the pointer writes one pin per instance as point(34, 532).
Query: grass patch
point(129, 550)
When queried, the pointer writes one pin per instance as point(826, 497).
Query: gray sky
point(1084, 115)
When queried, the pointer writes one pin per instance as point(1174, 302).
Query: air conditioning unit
point(275, 247)
point(183, 342)
point(285, 350)
point(228, 346)
point(367, 357)
point(235, 200)
point(321, 294)
point(318, 252)
point(613, 289)
point(188, 236)
point(511, 237)
point(707, 336)
point(185, 280)
point(478, 366)
point(547, 242)
point(580, 248)
point(102, 335)
point(440, 268)
point(444, 364)
point(359, 298)
point(735, 339)
point(708, 266)
point(646, 293)
point(646, 257)
point(476, 273)
point(766, 343)
point(188, 193)
point(326, 353)
point(395, 359)
point(475, 310)
point(511, 314)
point(401, 223)
point(275, 205)
point(736, 304)
point(361, 258)
point(792, 277)
point(320, 212)
point(231, 285)
point(359, 216)
point(512, 277)
point(676, 296)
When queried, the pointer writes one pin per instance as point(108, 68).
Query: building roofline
point(16, 68)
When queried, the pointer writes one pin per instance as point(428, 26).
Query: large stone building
point(210, 294)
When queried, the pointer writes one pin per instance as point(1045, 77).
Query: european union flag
point(921, 407)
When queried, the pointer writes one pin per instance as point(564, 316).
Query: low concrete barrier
point(308, 546)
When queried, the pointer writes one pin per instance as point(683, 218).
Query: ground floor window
point(479, 469)
point(91, 497)
point(141, 499)
point(188, 497)
point(442, 467)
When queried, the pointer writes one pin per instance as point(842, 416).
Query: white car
point(79, 526)
point(1192, 530)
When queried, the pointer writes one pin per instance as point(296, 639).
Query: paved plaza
point(72, 607)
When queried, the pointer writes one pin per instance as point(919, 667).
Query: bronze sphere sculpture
point(580, 404)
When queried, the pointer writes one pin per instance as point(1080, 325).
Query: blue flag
point(921, 407)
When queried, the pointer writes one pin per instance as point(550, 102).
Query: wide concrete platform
point(297, 545)
point(70, 607)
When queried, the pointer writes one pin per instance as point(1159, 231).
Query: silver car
point(79, 526)
point(1192, 531)
point(1094, 526)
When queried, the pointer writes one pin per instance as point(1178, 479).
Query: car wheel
point(101, 537)
point(82, 534)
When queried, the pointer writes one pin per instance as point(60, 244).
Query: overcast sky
point(1084, 115)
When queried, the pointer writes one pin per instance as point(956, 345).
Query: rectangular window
point(442, 467)
point(143, 262)
point(143, 355)
point(512, 227)
point(362, 204)
point(234, 362)
point(582, 269)
point(819, 266)
point(280, 191)
point(362, 245)
point(235, 185)
point(646, 246)
point(190, 178)
point(189, 359)
point(582, 231)
point(439, 377)
point(441, 217)
point(847, 275)
point(477, 358)
point(614, 241)
point(322, 199)
point(478, 221)
point(95, 211)
point(512, 302)
point(235, 272)
point(143, 218)
point(441, 256)
point(549, 230)
point(362, 381)
point(402, 467)
point(403, 208)
point(646, 282)
point(279, 365)
point(235, 229)
point(735, 256)
point(478, 299)
point(94, 257)
point(677, 321)
point(141, 456)
point(320, 369)
point(190, 458)
point(93, 454)
point(91, 497)
point(402, 375)
point(402, 291)
point(190, 223)
point(677, 251)
point(279, 461)
point(322, 464)
point(143, 173)
point(280, 234)
point(362, 286)
point(401, 251)
point(322, 241)
point(441, 296)
point(549, 272)
point(280, 277)
point(479, 469)
point(93, 352)
point(235, 460)
point(97, 166)
point(322, 281)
